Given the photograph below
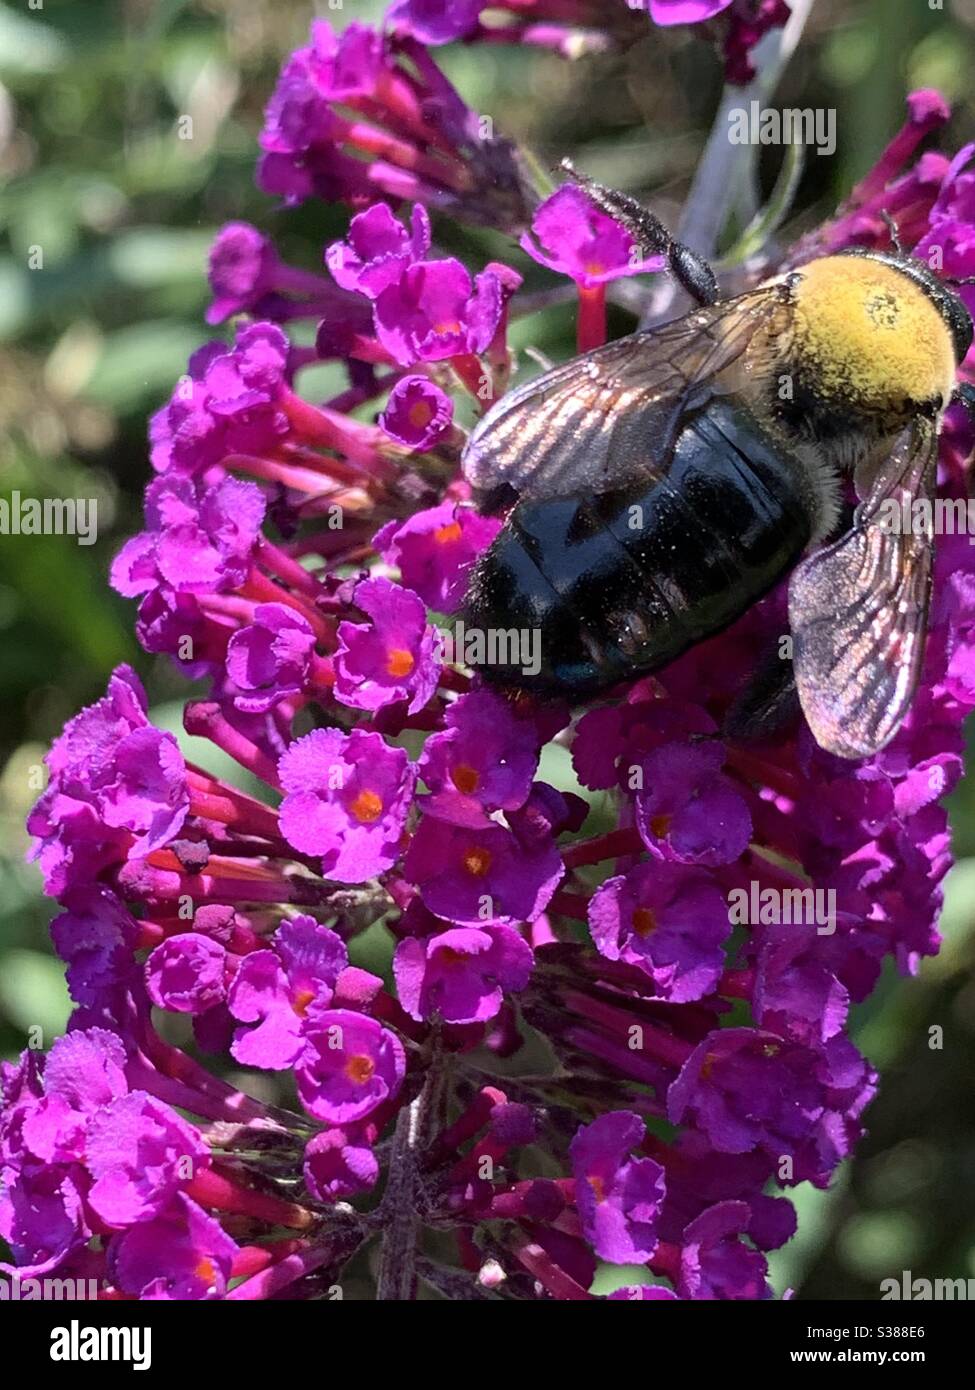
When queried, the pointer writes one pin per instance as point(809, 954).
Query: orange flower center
point(477, 861)
point(367, 807)
point(598, 1187)
point(420, 414)
point(359, 1069)
point(465, 778)
point(302, 998)
point(707, 1066)
point(660, 825)
point(644, 921)
point(206, 1271)
point(447, 535)
point(400, 662)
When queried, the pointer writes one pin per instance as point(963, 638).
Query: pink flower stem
point(251, 1259)
point(471, 373)
point(313, 481)
point(542, 1267)
point(572, 905)
point(471, 1122)
point(281, 564)
point(215, 888)
point(608, 846)
point(328, 429)
point(265, 590)
point(357, 395)
point(205, 719)
point(254, 819)
point(660, 1044)
point(287, 1271)
point(214, 1187)
point(591, 320)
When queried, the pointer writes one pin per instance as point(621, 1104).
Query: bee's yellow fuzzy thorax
point(866, 334)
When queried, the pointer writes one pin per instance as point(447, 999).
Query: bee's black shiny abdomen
point(619, 584)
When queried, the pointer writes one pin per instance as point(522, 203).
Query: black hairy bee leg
point(768, 704)
point(690, 270)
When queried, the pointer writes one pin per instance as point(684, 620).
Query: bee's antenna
point(968, 280)
point(690, 270)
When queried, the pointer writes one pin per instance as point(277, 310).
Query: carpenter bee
point(665, 482)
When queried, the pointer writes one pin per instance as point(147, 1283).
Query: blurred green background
point(94, 174)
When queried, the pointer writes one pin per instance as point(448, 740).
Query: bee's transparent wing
point(608, 417)
point(858, 608)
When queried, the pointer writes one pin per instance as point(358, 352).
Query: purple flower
point(666, 12)
point(746, 1089)
point(269, 659)
point(669, 922)
point(182, 1253)
point(639, 1292)
point(347, 800)
point(242, 268)
point(378, 250)
point(572, 236)
point(417, 413)
point(435, 550)
point(435, 21)
point(391, 658)
point(473, 876)
point(484, 761)
point(139, 1152)
point(688, 810)
point(186, 973)
point(747, 26)
point(740, 1066)
point(41, 1219)
point(434, 311)
point(715, 1262)
point(117, 789)
point(96, 936)
point(148, 795)
point(135, 1150)
point(618, 1197)
point(336, 1166)
point(461, 975)
point(228, 402)
point(798, 992)
point(349, 1067)
point(200, 539)
point(280, 992)
point(438, 151)
point(247, 276)
point(83, 1072)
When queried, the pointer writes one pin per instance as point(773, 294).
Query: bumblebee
point(666, 481)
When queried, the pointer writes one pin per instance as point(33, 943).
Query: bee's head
point(878, 338)
point(946, 300)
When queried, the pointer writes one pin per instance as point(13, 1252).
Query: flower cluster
point(687, 1067)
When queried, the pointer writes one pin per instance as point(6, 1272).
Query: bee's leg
point(690, 270)
point(965, 393)
point(767, 706)
point(894, 231)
